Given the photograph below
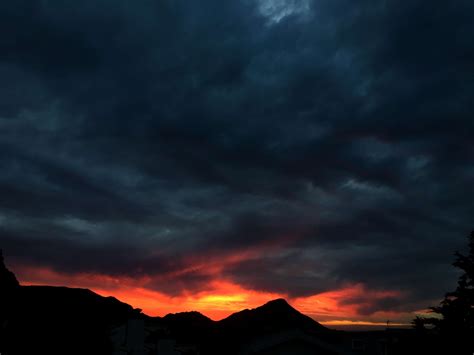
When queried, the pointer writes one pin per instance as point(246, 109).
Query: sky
point(213, 155)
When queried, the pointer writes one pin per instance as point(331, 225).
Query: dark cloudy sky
point(278, 147)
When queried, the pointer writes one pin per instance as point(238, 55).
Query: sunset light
point(222, 298)
point(239, 177)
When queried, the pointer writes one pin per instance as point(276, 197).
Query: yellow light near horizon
point(220, 298)
point(217, 300)
point(353, 322)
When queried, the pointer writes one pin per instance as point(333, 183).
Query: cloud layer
point(290, 147)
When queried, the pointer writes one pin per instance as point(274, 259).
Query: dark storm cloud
point(72, 255)
point(334, 137)
point(38, 186)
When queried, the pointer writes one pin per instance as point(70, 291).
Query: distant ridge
point(57, 318)
point(193, 317)
point(272, 316)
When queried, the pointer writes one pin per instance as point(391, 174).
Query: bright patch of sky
point(277, 10)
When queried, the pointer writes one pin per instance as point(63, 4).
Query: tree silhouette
point(8, 280)
point(9, 287)
point(456, 322)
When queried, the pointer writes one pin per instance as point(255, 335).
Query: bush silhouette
point(455, 324)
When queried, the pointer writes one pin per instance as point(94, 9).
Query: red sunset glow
point(220, 298)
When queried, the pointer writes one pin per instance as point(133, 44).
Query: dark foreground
point(59, 320)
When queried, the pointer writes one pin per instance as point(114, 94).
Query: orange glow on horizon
point(222, 297)
point(217, 303)
point(347, 322)
point(337, 303)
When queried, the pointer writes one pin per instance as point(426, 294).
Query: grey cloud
point(211, 129)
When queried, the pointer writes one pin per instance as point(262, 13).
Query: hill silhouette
point(190, 327)
point(56, 320)
point(272, 316)
point(276, 317)
point(192, 318)
point(239, 328)
point(61, 320)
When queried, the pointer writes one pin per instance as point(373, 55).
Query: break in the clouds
point(277, 10)
point(290, 147)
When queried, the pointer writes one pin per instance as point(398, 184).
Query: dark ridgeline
point(274, 317)
point(190, 327)
point(60, 320)
point(56, 320)
point(274, 324)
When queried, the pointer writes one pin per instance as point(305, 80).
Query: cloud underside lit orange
point(221, 298)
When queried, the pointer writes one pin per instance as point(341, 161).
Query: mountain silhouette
point(56, 320)
point(61, 320)
point(272, 316)
point(192, 318)
point(249, 325)
point(190, 327)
